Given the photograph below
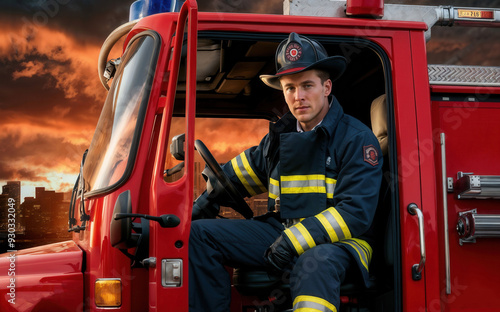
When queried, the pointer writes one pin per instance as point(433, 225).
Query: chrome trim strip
point(463, 75)
point(445, 215)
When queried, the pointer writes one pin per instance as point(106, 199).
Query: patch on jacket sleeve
point(370, 154)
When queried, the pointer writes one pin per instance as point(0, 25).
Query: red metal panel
point(46, 278)
point(429, 184)
point(476, 90)
point(413, 292)
point(471, 130)
point(259, 23)
point(267, 22)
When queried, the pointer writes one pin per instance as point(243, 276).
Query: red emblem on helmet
point(293, 52)
point(370, 155)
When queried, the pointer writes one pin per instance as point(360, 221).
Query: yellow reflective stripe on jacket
point(330, 187)
point(334, 225)
point(302, 184)
point(311, 303)
point(363, 249)
point(246, 175)
point(274, 188)
point(300, 237)
point(297, 184)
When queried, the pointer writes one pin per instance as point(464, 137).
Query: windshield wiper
point(78, 190)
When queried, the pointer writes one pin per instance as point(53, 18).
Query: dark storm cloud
point(39, 149)
point(44, 88)
point(9, 173)
point(90, 20)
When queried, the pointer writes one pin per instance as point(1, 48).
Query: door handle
point(416, 270)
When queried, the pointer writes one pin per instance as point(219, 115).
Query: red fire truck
point(190, 77)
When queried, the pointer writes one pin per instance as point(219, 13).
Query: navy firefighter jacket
point(328, 178)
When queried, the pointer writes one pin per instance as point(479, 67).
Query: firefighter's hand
point(280, 254)
point(204, 208)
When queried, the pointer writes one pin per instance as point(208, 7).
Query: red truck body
point(387, 57)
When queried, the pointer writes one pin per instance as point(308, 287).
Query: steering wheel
point(241, 205)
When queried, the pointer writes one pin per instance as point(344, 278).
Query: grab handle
point(416, 269)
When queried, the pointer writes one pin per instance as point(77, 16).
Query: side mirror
point(177, 146)
point(120, 235)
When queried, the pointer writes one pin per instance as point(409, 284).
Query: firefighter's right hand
point(280, 254)
point(203, 208)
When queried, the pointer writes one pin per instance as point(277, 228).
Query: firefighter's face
point(307, 97)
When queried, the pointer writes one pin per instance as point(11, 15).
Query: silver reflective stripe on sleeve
point(274, 188)
point(300, 237)
point(246, 175)
point(330, 187)
point(334, 225)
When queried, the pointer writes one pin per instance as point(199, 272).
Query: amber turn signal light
point(108, 292)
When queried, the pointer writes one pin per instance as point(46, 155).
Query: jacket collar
point(331, 120)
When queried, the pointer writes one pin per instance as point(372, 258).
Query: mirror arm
point(166, 221)
point(174, 170)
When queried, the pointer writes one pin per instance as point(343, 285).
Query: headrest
point(378, 115)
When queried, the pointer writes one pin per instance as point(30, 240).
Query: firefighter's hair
point(322, 74)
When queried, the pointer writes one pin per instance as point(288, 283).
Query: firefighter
point(322, 171)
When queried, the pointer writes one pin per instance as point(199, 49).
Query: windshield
point(111, 152)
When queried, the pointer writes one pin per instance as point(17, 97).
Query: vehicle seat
point(378, 116)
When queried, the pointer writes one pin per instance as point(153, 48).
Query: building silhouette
point(45, 217)
point(11, 190)
point(40, 220)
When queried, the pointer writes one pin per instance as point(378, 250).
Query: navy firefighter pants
point(314, 280)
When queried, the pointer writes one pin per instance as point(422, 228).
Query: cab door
point(168, 278)
point(409, 85)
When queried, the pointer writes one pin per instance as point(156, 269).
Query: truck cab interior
point(229, 65)
point(229, 91)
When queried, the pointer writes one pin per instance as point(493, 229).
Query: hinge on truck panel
point(450, 184)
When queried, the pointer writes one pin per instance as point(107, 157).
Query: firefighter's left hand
point(204, 208)
point(280, 254)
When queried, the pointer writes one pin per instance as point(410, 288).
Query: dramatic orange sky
point(51, 97)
